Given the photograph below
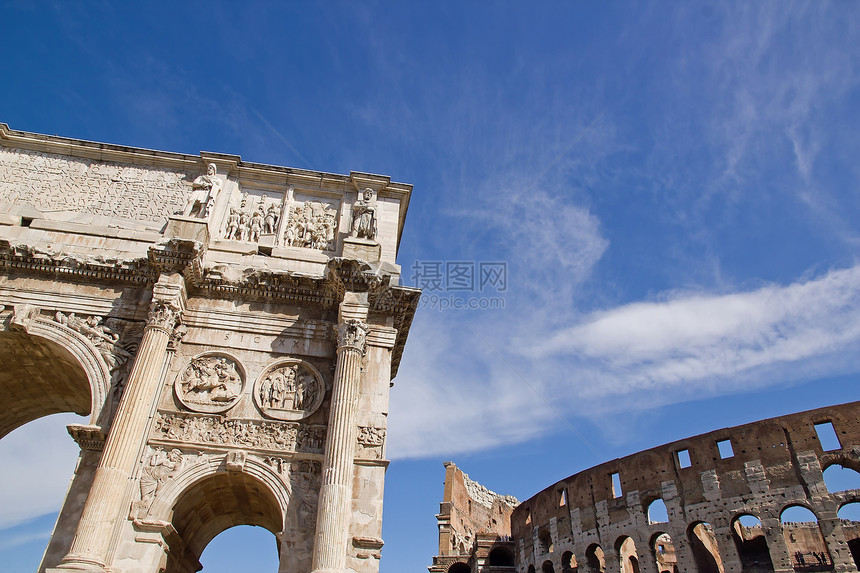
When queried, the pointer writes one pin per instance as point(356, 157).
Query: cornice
point(385, 297)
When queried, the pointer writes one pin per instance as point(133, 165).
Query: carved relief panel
point(289, 390)
point(311, 225)
point(254, 218)
point(212, 383)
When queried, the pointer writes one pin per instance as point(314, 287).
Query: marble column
point(335, 501)
point(106, 503)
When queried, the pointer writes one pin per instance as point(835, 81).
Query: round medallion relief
point(212, 382)
point(289, 390)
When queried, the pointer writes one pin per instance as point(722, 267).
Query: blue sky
point(672, 186)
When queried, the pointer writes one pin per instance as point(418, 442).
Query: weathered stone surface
point(188, 305)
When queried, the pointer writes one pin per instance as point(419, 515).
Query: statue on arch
point(364, 216)
point(204, 191)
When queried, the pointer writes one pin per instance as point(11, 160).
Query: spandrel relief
point(289, 390)
point(210, 383)
point(311, 225)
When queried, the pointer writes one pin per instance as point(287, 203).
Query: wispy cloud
point(43, 456)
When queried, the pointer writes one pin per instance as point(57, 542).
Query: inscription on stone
point(55, 183)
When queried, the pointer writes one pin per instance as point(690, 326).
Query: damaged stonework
point(231, 337)
point(474, 527)
point(725, 494)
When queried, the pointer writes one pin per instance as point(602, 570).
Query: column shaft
point(335, 501)
point(104, 505)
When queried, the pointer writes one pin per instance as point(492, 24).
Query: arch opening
point(459, 567)
point(545, 539)
point(39, 377)
point(841, 478)
point(547, 567)
point(215, 504)
point(657, 512)
point(663, 550)
point(501, 557)
point(628, 558)
point(594, 559)
point(850, 516)
point(568, 562)
point(706, 552)
point(222, 550)
point(804, 540)
point(751, 543)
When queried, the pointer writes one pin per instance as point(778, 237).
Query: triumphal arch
point(231, 331)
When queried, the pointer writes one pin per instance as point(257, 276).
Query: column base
point(79, 567)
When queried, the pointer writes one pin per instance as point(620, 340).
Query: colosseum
point(764, 496)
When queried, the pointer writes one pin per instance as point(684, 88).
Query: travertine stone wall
point(776, 463)
point(473, 522)
point(188, 305)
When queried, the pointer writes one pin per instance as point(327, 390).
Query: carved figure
point(161, 467)
point(364, 216)
point(209, 381)
point(256, 225)
point(204, 191)
point(311, 225)
point(232, 230)
point(271, 219)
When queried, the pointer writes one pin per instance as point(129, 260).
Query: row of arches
point(803, 541)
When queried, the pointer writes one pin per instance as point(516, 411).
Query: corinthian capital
point(163, 315)
point(351, 333)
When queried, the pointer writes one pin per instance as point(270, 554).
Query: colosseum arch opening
point(804, 541)
point(628, 558)
point(663, 551)
point(849, 513)
point(568, 562)
point(751, 544)
point(214, 504)
point(594, 559)
point(703, 542)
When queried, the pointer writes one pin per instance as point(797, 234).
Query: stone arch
point(595, 560)
point(628, 558)
point(568, 562)
point(803, 538)
point(547, 567)
point(839, 476)
point(205, 499)
point(47, 368)
point(459, 567)
point(751, 543)
point(501, 556)
point(703, 543)
point(663, 551)
point(851, 528)
point(162, 506)
point(656, 511)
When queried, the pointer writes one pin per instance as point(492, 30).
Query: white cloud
point(459, 396)
point(39, 458)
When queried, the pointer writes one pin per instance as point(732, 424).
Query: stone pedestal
point(190, 228)
point(363, 249)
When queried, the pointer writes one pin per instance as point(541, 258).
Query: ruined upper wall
point(469, 513)
point(776, 463)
